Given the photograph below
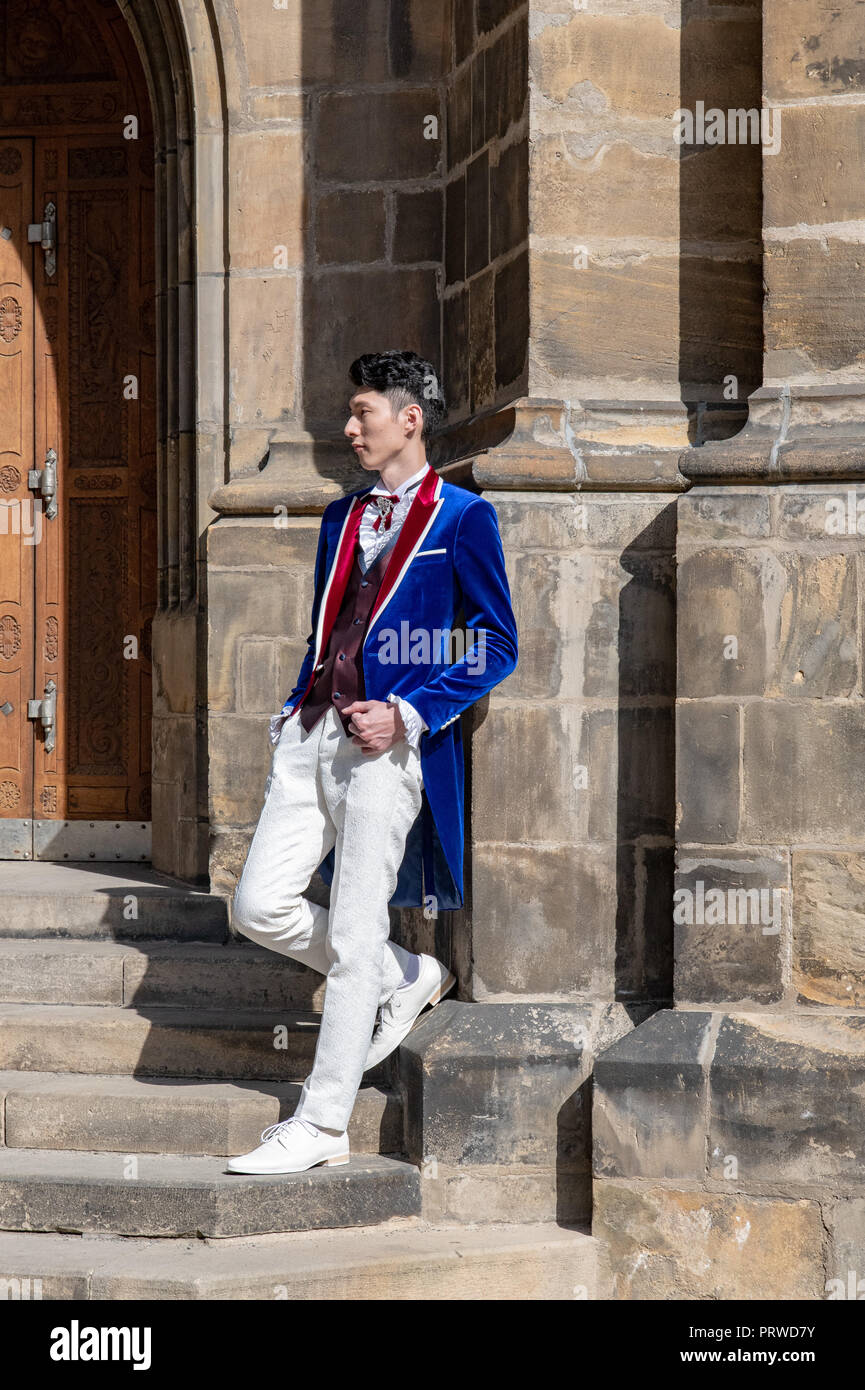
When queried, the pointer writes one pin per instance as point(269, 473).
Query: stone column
point(729, 1149)
point(572, 799)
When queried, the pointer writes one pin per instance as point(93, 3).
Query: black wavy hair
point(406, 379)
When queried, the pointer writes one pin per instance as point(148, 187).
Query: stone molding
point(559, 446)
point(798, 434)
point(302, 475)
point(529, 446)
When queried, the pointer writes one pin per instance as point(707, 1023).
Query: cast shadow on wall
point(720, 218)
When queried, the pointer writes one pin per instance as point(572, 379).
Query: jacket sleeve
point(480, 566)
point(319, 581)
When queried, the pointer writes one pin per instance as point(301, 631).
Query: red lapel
point(342, 569)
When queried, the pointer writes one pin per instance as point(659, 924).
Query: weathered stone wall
point(770, 723)
point(573, 787)
point(604, 199)
point(260, 597)
point(335, 205)
point(728, 1157)
point(646, 254)
point(814, 75)
point(728, 1153)
point(485, 302)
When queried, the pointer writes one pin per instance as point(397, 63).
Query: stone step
point(124, 1114)
point(392, 1263)
point(110, 901)
point(189, 975)
point(231, 1044)
point(170, 1195)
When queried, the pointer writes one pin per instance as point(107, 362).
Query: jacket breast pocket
point(430, 557)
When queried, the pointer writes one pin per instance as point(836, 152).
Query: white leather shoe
point(292, 1146)
point(400, 1012)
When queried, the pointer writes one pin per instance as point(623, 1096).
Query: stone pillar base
point(729, 1156)
point(799, 433)
point(497, 1105)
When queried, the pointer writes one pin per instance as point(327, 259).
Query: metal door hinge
point(45, 710)
point(44, 481)
point(45, 233)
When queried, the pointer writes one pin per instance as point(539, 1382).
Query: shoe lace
point(282, 1131)
point(386, 1013)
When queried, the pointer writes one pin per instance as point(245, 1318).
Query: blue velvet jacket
point(447, 560)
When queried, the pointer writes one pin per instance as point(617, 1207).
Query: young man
point(367, 777)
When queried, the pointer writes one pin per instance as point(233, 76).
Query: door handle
point(44, 481)
point(45, 233)
point(45, 710)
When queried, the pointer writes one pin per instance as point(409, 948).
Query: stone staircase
point(141, 1044)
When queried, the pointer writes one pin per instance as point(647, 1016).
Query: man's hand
point(376, 724)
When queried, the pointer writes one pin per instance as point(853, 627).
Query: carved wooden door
point(77, 481)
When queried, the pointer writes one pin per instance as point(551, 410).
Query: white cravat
point(372, 543)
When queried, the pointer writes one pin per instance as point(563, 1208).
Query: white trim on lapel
point(438, 499)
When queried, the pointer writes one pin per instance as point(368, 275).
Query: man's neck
point(398, 471)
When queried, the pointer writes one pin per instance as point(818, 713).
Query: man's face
point(373, 432)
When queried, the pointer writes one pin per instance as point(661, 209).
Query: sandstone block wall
point(770, 723)
point(335, 205)
point(260, 596)
point(572, 768)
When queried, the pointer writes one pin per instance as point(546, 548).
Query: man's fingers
point(371, 747)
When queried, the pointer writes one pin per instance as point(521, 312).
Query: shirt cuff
point(415, 724)
point(276, 722)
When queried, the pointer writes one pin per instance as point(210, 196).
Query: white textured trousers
point(324, 791)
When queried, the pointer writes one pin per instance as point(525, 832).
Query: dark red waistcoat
point(339, 677)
